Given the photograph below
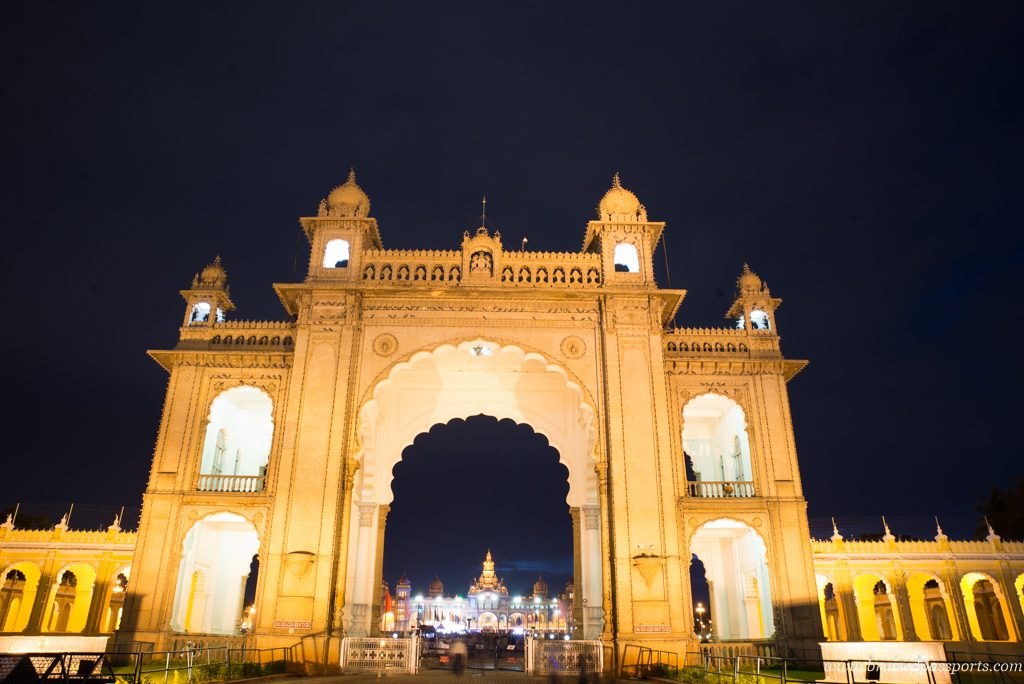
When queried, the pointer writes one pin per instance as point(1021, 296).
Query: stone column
point(378, 568)
point(902, 599)
point(362, 597)
point(590, 562)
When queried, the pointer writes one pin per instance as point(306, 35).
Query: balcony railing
point(247, 484)
point(721, 490)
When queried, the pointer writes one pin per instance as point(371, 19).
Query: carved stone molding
point(591, 517)
point(385, 344)
point(573, 347)
point(366, 511)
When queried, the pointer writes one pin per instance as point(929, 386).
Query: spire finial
point(836, 537)
point(351, 174)
point(886, 526)
point(991, 532)
point(616, 183)
point(483, 212)
point(938, 526)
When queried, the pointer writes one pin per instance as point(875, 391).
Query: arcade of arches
point(278, 438)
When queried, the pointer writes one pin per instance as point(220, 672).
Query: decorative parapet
point(231, 334)
point(58, 537)
point(425, 268)
point(690, 342)
point(918, 547)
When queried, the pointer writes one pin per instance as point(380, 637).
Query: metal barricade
point(561, 657)
point(380, 655)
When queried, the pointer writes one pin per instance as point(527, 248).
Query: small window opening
point(626, 258)
point(759, 320)
point(336, 254)
point(201, 313)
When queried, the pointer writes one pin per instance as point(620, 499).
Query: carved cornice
point(788, 368)
point(250, 358)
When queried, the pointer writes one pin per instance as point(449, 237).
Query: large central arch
point(460, 380)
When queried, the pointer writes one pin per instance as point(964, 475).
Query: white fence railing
point(561, 657)
point(383, 656)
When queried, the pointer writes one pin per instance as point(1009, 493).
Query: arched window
point(715, 438)
point(626, 258)
point(200, 313)
point(734, 557)
point(759, 320)
point(236, 450)
point(336, 254)
point(215, 564)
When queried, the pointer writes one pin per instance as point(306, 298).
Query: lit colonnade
point(63, 581)
point(936, 590)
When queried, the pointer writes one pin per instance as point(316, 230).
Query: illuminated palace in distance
point(487, 607)
point(278, 438)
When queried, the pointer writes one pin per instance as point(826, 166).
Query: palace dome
point(619, 204)
point(749, 281)
point(348, 199)
point(540, 588)
point(213, 275)
point(436, 587)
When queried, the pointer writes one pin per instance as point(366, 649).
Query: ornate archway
point(458, 381)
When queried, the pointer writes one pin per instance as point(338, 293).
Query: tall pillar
point(960, 608)
point(590, 563)
point(903, 611)
point(378, 566)
point(362, 597)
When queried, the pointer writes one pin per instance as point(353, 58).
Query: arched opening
point(930, 607)
point(701, 593)
point(876, 608)
point(336, 254)
point(70, 597)
point(715, 440)
point(201, 313)
point(216, 555)
point(626, 258)
point(987, 610)
point(735, 559)
point(236, 449)
point(759, 320)
point(832, 623)
point(459, 381)
point(18, 595)
point(523, 517)
point(115, 601)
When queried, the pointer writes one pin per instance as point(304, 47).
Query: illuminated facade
point(278, 439)
point(487, 607)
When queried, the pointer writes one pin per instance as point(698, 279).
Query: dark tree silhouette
point(1004, 509)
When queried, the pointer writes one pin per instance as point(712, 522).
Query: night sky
point(864, 158)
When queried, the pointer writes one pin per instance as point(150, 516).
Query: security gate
point(380, 655)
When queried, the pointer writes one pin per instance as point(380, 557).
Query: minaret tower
point(754, 307)
point(340, 232)
point(624, 237)
point(208, 299)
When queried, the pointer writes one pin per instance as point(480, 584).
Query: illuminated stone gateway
point(278, 440)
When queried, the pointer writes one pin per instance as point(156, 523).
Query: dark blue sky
point(864, 158)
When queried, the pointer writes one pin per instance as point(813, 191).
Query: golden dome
point(540, 588)
point(436, 587)
point(213, 275)
point(348, 199)
point(619, 204)
point(748, 282)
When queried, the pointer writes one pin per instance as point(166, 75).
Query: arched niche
point(931, 607)
point(238, 439)
point(19, 582)
point(216, 554)
point(877, 610)
point(716, 441)
point(988, 612)
point(336, 254)
point(69, 598)
point(735, 559)
point(833, 621)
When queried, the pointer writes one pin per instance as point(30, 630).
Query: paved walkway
point(433, 677)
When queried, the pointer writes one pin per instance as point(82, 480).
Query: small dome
point(540, 588)
point(348, 199)
point(436, 587)
point(748, 281)
point(619, 204)
point(213, 275)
